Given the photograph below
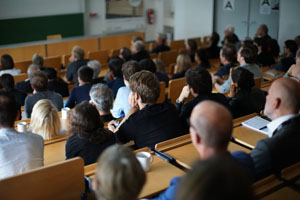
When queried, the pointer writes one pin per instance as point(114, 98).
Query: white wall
point(31, 8)
point(289, 20)
point(193, 18)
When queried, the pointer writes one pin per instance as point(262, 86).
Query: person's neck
point(104, 112)
point(226, 62)
point(208, 152)
point(142, 105)
point(281, 113)
point(83, 83)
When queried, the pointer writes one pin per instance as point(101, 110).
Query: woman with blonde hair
point(45, 120)
point(118, 175)
point(183, 63)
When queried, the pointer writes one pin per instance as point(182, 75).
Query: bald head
point(283, 98)
point(295, 72)
point(213, 124)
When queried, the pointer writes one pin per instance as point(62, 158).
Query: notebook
point(258, 124)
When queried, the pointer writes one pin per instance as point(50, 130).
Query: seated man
point(25, 86)
point(121, 105)
point(161, 46)
point(81, 93)
point(7, 65)
point(102, 97)
point(247, 58)
point(199, 85)
point(210, 130)
point(290, 49)
point(125, 54)
point(138, 51)
point(280, 150)
point(56, 84)
point(19, 152)
point(147, 123)
point(115, 74)
point(76, 61)
point(39, 83)
point(227, 58)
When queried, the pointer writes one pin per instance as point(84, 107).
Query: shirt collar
point(273, 125)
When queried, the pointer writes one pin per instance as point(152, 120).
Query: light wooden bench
point(177, 44)
point(175, 87)
point(162, 95)
point(20, 77)
point(168, 57)
point(100, 56)
point(61, 181)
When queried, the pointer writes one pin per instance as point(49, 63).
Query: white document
point(258, 124)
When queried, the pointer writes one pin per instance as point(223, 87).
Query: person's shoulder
point(34, 136)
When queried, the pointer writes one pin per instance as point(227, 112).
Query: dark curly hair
point(86, 122)
point(199, 79)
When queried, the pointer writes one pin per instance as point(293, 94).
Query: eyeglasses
point(293, 77)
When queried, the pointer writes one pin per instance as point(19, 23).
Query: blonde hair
point(45, 120)
point(119, 174)
point(183, 62)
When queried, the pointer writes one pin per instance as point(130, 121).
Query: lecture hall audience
point(201, 59)
point(115, 74)
point(228, 60)
point(290, 48)
point(191, 48)
point(138, 51)
point(25, 86)
point(55, 83)
point(212, 48)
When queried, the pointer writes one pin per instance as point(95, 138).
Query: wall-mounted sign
point(228, 5)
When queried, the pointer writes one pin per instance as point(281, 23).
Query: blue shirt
point(121, 105)
point(79, 94)
point(224, 70)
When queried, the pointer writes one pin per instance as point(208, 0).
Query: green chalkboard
point(37, 28)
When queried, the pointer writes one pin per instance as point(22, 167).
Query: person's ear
point(276, 103)
point(95, 184)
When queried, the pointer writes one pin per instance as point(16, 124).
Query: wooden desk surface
point(270, 77)
point(247, 136)
point(159, 176)
point(187, 154)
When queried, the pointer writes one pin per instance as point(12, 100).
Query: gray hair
point(38, 60)
point(139, 45)
point(230, 28)
point(102, 96)
point(95, 66)
point(32, 68)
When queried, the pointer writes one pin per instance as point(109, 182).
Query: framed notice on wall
point(124, 8)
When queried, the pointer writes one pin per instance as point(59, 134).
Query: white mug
point(22, 126)
point(65, 113)
point(145, 159)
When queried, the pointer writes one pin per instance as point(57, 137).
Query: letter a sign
point(228, 5)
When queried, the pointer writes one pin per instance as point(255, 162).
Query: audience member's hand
point(233, 90)
point(185, 92)
point(175, 69)
point(111, 125)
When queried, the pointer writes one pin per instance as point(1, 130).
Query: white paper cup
point(65, 113)
point(145, 159)
point(22, 126)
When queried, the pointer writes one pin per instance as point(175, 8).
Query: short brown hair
point(129, 68)
point(39, 81)
point(229, 53)
point(249, 53)
point(146, 84)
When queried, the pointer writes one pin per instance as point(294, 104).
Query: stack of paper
point(257, 123)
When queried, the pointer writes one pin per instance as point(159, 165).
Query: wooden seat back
point(177, 44)
point(53, 62)
point(61, 181)
point(20, 77)
point(23, 65)
point(168, 57)
point(152, 45)
point(173, 143)
point(101, 56)
point(162, 95)
point(54, 37)
point(205, 41)
point(22, 53)
point(153, 55)
point(65, 59)
point(257, 82)
point(55, 152)
point(104, 70)
point(175, 87)
point(114, 52)
point(198, 41)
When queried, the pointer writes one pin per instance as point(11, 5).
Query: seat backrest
point(198, 41)
point(64, 180)
point(173, 143)
point(55, 152)
point(23, 65)
point(257, 82)
point(53, 62)
point(114, 52)
point(162, 95)
point(54, 37)
point(175, 87)
point(66, 59)
point(177, 44)
point(101, 56)
point(20, 77)
point(168, 57)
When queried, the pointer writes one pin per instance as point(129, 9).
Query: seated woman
point(45, 119)
point(191, 47)
point(244, 98)
point(202, 59)
point(183, 63)
point(119, 176)
point(7, 66)
point(264, 57)
point(88, 138)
